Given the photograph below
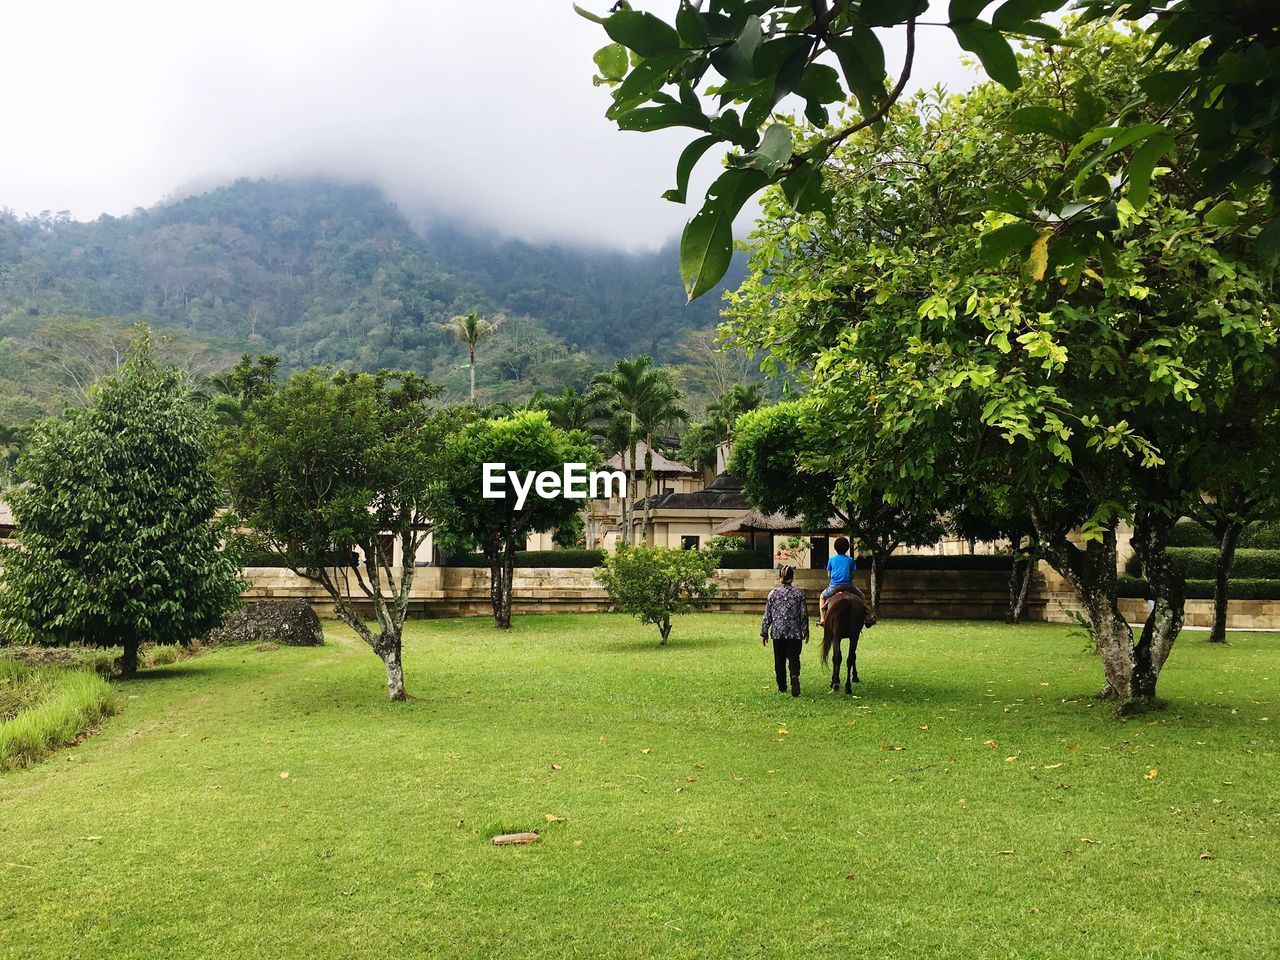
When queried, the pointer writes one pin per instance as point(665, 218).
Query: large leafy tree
point(338, 474)
point(1096, 370)
point(525, 441)
point(788, 463)
point(731, 71)
point(117, 539)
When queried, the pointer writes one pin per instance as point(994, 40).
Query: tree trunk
point(665, 629)
point(1091, 571)
point(493, 555)
point(1019, 581)
point(389, 650)
point(1222, 580)
point(648, 489)
point(472, 354)
point(1164, 622)
point(879, 558)
point(129, 659)
point(503, 613)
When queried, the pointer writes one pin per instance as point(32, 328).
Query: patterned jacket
point(786, 614)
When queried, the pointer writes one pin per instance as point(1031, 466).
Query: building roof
point(722, 493)
point(756, 522)
point(662, 466)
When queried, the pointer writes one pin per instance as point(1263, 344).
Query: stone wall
point(464, 591)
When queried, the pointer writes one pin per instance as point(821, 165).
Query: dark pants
point(786, 652)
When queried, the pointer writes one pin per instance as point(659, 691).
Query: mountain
point(326, 272)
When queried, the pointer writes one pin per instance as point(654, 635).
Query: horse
point(846, 616)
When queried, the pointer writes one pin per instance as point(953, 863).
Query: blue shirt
point(840, 567)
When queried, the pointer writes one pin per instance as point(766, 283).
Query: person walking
point(786, 621)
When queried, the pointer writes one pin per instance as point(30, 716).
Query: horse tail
point(827, 635)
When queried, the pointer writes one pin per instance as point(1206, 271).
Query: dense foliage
point(653, 584)
point(322, 272)
point(117, 543)
point(342, 466)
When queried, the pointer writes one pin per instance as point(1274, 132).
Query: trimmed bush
point(535, 558)
point(1197, 563)
point(977, 561)
point(1128, 586)
point(55, 707)
point(1257, 536)
point(746, 560)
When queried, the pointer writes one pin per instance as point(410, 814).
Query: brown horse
point(846, 616)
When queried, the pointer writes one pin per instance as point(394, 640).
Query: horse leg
point(853, 662)
point(835, 665)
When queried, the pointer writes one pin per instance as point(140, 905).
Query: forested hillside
point(322, 272)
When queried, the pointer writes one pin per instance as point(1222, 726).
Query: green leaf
point(588, 15)
point(862, 59)
point(706, 246)
point(1166, 86)
point(888, 13)
point(820, 84)
point(642, 32)
point(689, 158)
point(612, 61)
point(1001, 242)
point(691, 26)
point(1048, 121)
point(1017, 13)
point(773, 152)
point(736, 61)
point(1268, 244)
point(805, 191)
point(1223, 214)
point(992, 49)
point(1130, 136)
point(645, 119)
point(966, 9)
point(1141, 166)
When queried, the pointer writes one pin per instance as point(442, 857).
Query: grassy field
point(970, 801)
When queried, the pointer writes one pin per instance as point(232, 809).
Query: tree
point(789, 463)
point(526, 443)
point(117, 539)
point(1095, 370)
point(623, 394)
point(339, 473)
point(568, 409)
point(472, 330)
point(758, 56)
point(700, 440)
point(232, 392)
point(13, 441)
point(661, 410)
point(653, 584)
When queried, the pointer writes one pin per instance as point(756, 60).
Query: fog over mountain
point(483, 112)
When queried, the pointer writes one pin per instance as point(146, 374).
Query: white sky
point(483, 110)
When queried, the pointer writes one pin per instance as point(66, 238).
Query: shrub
point(654, 584)
point(535, 558)
point(1197, 563)
point(1258, 536)
point(1255, 589)
point(746, 560)
point(965, 561)
point(64, 705)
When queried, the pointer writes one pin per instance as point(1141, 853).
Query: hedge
point(1258, 536)
point(1256, 589)
point(533, 558)
point(962, 561)
point(746, 560)
point(1197, 563)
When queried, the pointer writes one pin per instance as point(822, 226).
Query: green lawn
point(694, 826)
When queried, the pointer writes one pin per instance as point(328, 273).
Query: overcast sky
point(479, 110)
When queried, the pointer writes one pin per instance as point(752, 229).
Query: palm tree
point(661, 410)
point(473, 330)
point(568, 409)
point(13, 440)
point(622, 394)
